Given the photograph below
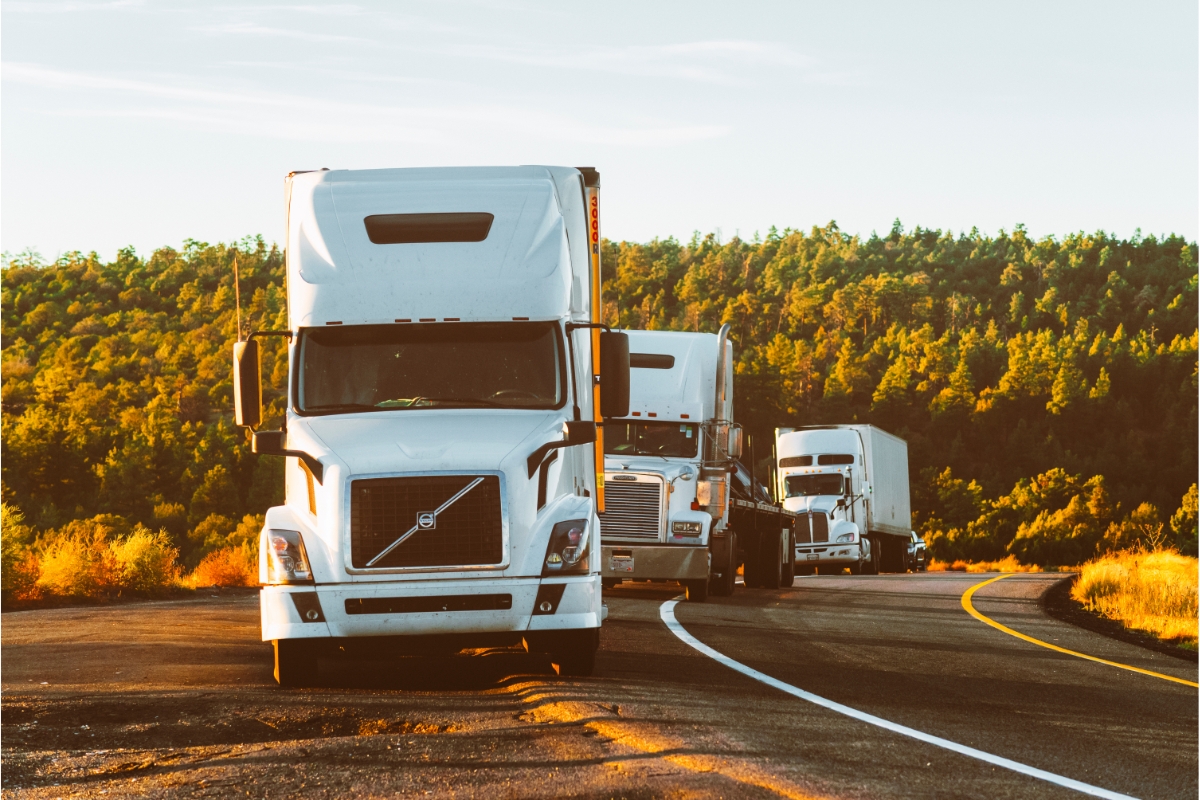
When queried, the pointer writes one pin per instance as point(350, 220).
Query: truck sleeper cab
point(445, 377)
point(674, 508)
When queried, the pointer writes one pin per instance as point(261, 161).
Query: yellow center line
point(970, 609)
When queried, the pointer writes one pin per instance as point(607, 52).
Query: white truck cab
point(679, 507)
point(848, 484)
point(444, 469)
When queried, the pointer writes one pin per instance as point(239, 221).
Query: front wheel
point(723, 586)
point(696, 591)
point(574, 652)
point(870, 565)
point(295, 663)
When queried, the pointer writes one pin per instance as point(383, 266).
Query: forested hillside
point(1048, 389)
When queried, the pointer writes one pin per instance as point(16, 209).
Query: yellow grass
point(1148, 591)
point(1006, 564)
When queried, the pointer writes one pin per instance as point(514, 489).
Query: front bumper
point(654, 562)
point(820, 555)
point(578, 606)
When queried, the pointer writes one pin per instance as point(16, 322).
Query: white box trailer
point(444, 468)
point(852, 483)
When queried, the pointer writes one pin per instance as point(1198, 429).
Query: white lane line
point(667, 613)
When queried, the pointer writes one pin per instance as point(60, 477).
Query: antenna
point(237, 294)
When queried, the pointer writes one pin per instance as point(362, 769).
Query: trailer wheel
point(771, 561)
point(696, 591)
point(295, 663)
point(723, 586)
point(789, 561)
point(751, 568)
point(574, 652)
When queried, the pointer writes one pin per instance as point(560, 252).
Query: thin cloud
point(709, 61)
point(275, 115)
point(250, 29)
point(67, 7)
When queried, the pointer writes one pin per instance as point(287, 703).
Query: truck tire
point(894, 555)
point(696, 591)
point(789, 561)
point(771, 561)
point(751, 568)
point(723, 586)
point(871, 565)
point(295, 663)
point(574, 652)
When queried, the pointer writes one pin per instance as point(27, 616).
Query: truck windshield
point(668, 439)
point(810, 485)
point(449, 365)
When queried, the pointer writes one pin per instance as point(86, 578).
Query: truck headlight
point(846, 537)
point(687, 528)
point(568, 548)
point(287, 562)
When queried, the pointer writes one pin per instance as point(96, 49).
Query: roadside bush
point(1149, 591)
point(19, 567)
point(145, 562)
point(79, 565)
point(230, 566)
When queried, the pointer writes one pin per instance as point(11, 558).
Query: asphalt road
point(176, 699)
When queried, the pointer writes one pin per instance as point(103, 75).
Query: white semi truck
point(849, 484)
point(444, 464)
point(679, 507)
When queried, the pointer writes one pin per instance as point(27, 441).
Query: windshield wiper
point(415, 402)
point(342, 407)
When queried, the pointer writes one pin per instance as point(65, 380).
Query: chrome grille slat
point(632, 510)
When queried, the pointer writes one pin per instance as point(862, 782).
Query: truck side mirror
point(247, 385)
point(579, 432)
point(614, 374)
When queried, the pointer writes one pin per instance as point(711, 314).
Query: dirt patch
point(1060, 605)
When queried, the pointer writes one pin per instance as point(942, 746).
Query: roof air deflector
point(428, 228)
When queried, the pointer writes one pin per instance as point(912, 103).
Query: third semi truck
point(849, 484)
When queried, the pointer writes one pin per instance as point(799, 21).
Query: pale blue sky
point(145, 123)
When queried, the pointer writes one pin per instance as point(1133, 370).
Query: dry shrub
point(1007, 564)
point(80, 565)
point(86, 559)
point(145, 561)
point(1151, 591)
point(229, 566)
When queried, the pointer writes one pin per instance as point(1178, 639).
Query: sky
point(144, 124)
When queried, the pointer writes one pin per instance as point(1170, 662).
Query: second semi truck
point(679, 506)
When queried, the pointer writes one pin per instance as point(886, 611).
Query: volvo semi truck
point(447, 375)
point(679, 506)
point(849, 486)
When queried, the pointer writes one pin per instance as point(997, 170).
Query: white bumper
point(827, 554)
point(579, 606)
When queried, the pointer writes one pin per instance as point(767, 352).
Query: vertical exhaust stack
point(719, 408)
point(711, 490)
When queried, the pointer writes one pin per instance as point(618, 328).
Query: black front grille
point(812, 527)
point(468, 532)
point(418, 605)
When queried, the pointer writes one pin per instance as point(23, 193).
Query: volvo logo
point(427, 520)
